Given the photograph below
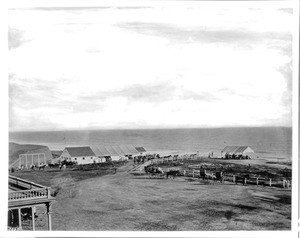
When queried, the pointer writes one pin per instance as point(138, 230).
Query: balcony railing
point(29, 194)
point(26, 190)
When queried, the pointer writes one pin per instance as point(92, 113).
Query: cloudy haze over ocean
point(149, 67)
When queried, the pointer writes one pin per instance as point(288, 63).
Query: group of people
point(140, 159)
point(40, 166)
point(234, 156)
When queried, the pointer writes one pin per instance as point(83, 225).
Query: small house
point(80, 155)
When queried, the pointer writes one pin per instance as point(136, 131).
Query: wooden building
point(80, 155)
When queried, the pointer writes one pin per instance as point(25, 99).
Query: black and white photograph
point(152, 116)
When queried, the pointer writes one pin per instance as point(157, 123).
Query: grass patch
point(156, 226)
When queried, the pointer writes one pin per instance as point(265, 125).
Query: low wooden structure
point(24, 198)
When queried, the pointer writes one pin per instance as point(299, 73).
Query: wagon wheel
point(40, 219)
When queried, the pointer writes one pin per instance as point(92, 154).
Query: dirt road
point(123, 201)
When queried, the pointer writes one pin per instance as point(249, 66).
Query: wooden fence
point(232, 178)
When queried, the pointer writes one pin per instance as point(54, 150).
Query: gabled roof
point(132, 149)
point(114, 150)
point(80, 151)
point(111, 151)
point(119, 150)
point(103, 151)
point(128, 149)
point(140, 149)
point(96, 151)
point(237, 149)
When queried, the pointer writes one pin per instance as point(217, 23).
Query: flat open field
point(123, 201)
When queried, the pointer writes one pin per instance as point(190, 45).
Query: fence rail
point(232, 178)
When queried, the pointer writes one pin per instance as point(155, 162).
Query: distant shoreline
point(146, 129)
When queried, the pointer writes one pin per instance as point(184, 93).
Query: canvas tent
point(114, 152)
point(237, 150)
point(141, 150)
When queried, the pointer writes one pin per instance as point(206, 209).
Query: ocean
point(267, 142)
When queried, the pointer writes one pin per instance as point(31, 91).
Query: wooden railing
point(26, 190)
point(29, 194)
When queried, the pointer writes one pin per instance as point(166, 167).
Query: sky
point(149, 67)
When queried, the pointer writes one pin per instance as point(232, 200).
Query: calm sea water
point(270, 143)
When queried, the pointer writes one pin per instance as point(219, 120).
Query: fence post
point(270, 182)
point(256, 181)
point(245, 180)
point(193, 173)
point(283, 183)
point(233, 178)
point(183, 172)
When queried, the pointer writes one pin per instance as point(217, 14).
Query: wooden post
point(26, 162)
point(49, 212)
point(270, 182)
point(193, 173)
point(256, 181)
point(183, 172)
point(32, 217)
point(245, 180)
point(48, 193)
point(20, 218)
point(283, 183)
point(233, 178)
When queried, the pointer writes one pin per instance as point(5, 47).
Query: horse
point(52, 165)
point(173, 173)
point(41, 166)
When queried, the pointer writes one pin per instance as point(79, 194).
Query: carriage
point(154, 171)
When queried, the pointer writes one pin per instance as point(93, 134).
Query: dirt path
point(123, 201)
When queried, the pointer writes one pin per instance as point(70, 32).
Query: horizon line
point(162, 128)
